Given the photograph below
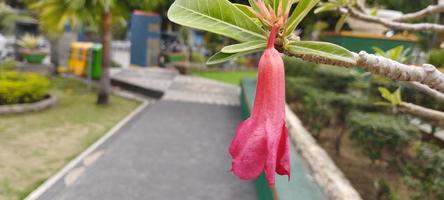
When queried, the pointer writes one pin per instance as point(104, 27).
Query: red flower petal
point(261, 141)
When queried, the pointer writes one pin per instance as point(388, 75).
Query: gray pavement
point(176, 148)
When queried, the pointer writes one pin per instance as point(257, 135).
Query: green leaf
point(302, 9)
point(272, 3)
point(246, 46)
point(396, 52)
point(326, 7)
point(253, 4)
point(245, 9)
point(221, 57)
point(397, 96)
point(379, 51)
point(217, 16)
point(386, 94)
point(323, 49)
point(340, 23)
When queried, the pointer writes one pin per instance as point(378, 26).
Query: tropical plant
point(28, 41)
point(55, 14)
point(397, 53)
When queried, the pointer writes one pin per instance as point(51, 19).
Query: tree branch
point(422, 112)
point(378, 65)
point(393, 24)
point(427, 74)
point(425, 89)
point(430, 10)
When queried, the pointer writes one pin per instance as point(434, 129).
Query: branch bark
point(427, 74)
point(393, 24)
point(423, 112)
point(378, 65)
point(430, 10)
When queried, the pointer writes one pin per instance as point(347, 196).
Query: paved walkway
point(176, 148)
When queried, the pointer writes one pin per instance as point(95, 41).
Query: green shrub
point(18, 87)
point(8, 64)
point(425, 173)
point(436, 57)
point(197, 58)
point(297, 87)
point(375, 133)
point(297, 67)
point(334, 78)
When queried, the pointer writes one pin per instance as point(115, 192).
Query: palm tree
point(54, 14)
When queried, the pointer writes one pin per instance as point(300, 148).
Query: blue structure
point(145, 38)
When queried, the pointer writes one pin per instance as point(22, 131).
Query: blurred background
point(55, 78)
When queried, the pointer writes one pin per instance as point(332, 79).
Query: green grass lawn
point(232, 77)
point(34, 146)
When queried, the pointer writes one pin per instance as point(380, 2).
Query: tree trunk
point(105, 84)
point(55, 58)
point(338, 140)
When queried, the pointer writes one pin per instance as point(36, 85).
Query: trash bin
point(96, 63)
point(86, 59)
point(78, 59)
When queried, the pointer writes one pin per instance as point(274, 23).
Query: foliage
point(28, 41)
point(334, 78)
point(8, 64)
point(385, 191)
point(18, 87)
point(320, 106)
point(297, 67)
point(425, 173)
point(436, 57)
point(197, 57)
point(376, 133)
point(394, 98)
point(397, 53)
point(8, 17)
point(55, 14)
point(234, 21)
point(401, 5)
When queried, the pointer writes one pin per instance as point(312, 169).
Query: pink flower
point(261, 141)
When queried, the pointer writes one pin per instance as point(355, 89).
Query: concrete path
point(176, 148)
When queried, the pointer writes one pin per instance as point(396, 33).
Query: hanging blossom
point(261, 141)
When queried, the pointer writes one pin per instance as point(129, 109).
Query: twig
point(393, 24)
point(430, 10)
point(423, 112)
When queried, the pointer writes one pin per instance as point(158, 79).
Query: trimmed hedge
point(16, 88)
point(425, 173)
point(297, 67)
point(374, 133)
point(334, 78)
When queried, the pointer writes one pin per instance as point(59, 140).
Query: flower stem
point(274, 193)
point(272, 37)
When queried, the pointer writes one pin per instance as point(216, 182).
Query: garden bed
point(36, 145)
point(45, 103)
point(379, 150)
